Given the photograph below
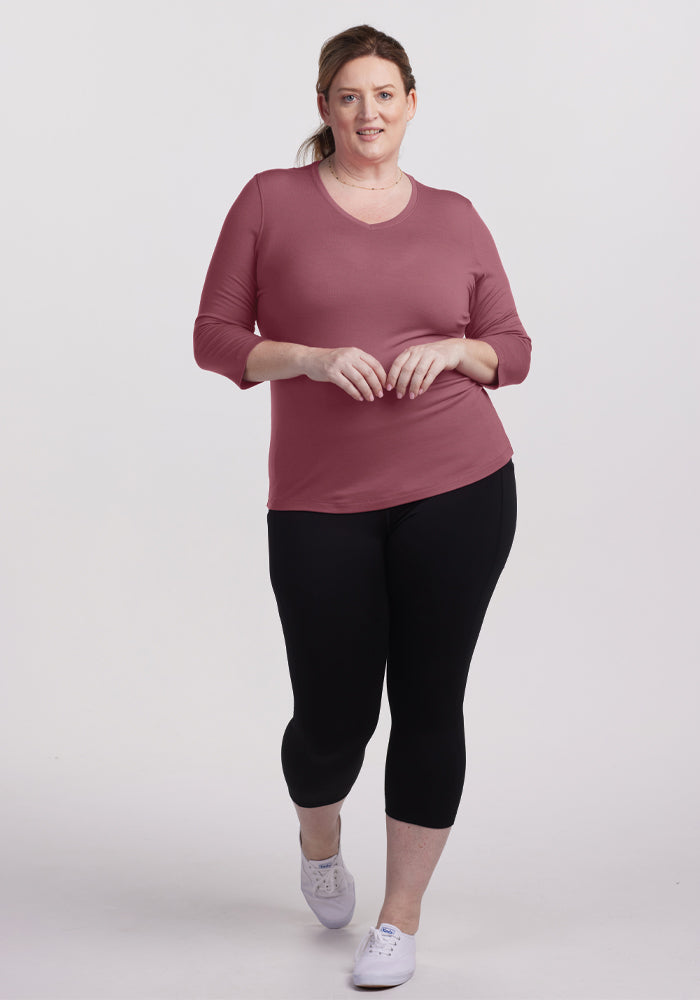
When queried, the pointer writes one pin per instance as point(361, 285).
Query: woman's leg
point(327, 572)
point(412, 852)
point(320, 830)
point(444, 557)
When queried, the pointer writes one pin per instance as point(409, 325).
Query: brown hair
point(362, 40)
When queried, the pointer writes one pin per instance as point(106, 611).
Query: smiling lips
point(370, 133)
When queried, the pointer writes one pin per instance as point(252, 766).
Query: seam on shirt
point(262, 215)
point(477, 258)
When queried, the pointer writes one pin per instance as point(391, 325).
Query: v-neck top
point(293, 263)
point(403, 214)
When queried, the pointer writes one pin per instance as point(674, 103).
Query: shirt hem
point(358, 505)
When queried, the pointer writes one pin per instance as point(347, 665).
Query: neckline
point(406, 211)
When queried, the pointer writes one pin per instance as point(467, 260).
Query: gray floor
point(147, 882)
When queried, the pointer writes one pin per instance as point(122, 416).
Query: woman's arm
point(224, 330)
point(356, 372)
point(272, 359)
point(479, 362)
point(494, 320)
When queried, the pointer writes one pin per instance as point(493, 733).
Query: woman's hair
point(362, 40)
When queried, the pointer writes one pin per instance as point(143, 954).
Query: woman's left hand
point(416, 368)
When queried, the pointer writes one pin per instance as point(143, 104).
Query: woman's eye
point(346, 97)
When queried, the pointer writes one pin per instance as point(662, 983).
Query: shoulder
point(272, 187)
point(445, 198)
point(449, 209)
point(277, 188)
point(454, 209)
point(283, 179)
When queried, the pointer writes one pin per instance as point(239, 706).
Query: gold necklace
point(349, 184)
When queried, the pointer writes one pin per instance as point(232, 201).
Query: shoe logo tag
point(326, 864)
point(385, 929)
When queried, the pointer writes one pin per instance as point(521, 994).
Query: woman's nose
point(368, 110)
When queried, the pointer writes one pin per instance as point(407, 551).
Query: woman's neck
point(369, 177)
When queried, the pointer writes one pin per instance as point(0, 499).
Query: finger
point(422, 368)
point(348, 386)
point(412, 376)
point(395, 369)
point(429, 377)
point(374, 374)
point(405, 375)
point(362, 375)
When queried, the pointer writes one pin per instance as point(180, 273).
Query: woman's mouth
point(370, 133)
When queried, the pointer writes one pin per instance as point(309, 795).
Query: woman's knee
point(425, 771)
point(323, 768)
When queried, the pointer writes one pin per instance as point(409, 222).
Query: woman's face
point(367, 93)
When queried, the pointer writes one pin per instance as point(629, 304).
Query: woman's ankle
point(320, 849)
point(404, 921)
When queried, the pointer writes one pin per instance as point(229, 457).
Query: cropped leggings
point(406, 588)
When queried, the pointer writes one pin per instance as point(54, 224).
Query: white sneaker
point(328, 888)
point(386, 957)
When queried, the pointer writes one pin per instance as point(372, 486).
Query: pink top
point(306, 271)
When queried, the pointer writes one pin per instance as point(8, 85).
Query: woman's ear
point(412, 102)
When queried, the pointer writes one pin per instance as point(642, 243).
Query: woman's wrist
point(479, 361)
point(274, 359)
point(303, 355)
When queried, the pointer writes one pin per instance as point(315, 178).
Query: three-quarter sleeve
point(224, 328)
point(493, 315)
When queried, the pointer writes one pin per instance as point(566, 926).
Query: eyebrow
point(385, 86)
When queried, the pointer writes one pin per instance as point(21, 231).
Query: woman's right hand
point(354, 370)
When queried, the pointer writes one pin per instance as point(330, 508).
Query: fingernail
point(380, 394)
point(411, 395)
point(389, 386)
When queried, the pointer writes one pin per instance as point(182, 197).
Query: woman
point(384, 310)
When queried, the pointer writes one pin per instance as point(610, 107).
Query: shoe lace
point(377, 943)
point(327, 881)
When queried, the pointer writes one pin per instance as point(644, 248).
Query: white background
point(150, 849)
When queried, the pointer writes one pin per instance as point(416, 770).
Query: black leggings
point(406, 587)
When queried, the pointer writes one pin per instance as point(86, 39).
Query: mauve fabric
point(306, 271)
